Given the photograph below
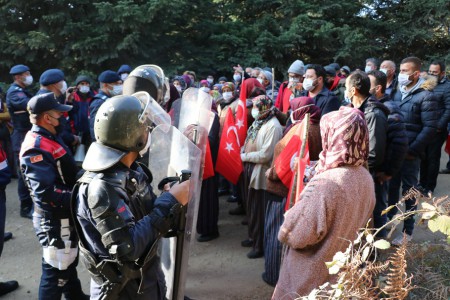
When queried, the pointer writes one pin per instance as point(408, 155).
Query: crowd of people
point(373, 134)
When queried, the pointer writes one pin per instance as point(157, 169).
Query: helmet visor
point(152, 112)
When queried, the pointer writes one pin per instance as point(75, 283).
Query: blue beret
point(124, 69)
point(18, 69)
point(45, 102)
point(51, 76)
point(109, 76)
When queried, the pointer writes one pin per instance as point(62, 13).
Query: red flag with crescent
point(229, 162)
point(241, 115)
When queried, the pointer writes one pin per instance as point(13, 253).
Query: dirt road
point(217, 270)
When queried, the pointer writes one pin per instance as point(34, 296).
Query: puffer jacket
point(376, 115)
point(397, 140)
point(420, 110)
point(442, 92)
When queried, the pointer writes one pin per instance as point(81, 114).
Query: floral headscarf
point(264, 105)
point(345, 139)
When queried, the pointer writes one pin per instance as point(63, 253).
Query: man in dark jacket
point(397, 141)
point(314, 87)
point(420, 110)
point(357, 87)
point(429, 166)
point(17, 99)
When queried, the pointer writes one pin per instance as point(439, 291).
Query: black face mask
point(59, 128)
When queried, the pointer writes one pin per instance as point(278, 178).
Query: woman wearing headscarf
point(337, 202)
point(277, 191)
point(250, 88)
point(257, 156)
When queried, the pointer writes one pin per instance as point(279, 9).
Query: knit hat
point(268, 75)
point(82, 78)
point(297, 67)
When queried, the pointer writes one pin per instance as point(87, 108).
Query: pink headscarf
point(345, 139)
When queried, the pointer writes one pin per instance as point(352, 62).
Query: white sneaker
point(399, 239)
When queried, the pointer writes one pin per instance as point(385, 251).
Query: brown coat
point(274, 184)
point(331, 209)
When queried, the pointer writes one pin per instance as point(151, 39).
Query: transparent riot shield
point(170, 153)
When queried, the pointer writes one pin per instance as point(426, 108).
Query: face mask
point(117, 90)
point(385, 71)
point(227, 96)
point(347, 99)
point(123, 76)
point(210, 80)
point(292, 114)
point(84, 89)
point(308, 84)
point(260, 81)
point(178, 87)
point(205, 89)
point(237, 77)
point(58, 128)
point(403, 79)
point(255, 113)
point(145, 149)
point(294, 80)
point(28, 80)
point(367, 69)
point(63, 89)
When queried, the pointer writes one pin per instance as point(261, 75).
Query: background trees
point(212, 36)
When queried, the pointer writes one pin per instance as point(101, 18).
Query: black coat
point(442, 92)
point(376, 115)
point(397, 140)
point(420, 110)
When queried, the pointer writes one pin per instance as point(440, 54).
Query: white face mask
point(145, 149)
point(385, 71)
point(227, 96)
point(210, 80)
point(205, 89)
point(260, 81)
point(63, 89)
point(84, 89)
point(117, 90)
point(255, 113)
point(403, 79)
point(308, 84)
point(28, 80)
point(237, 77)
point(294, 80)
point(178, 87)
point(123, 76)
point(367, 69)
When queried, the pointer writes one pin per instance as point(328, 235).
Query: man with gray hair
point(388, 67)
point(266, 78)
point(291, 88)
point(371, 64)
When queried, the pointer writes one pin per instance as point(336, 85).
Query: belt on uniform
point(20, 112)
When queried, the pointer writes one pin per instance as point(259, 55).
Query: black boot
point(26, 212)
point(8, 286)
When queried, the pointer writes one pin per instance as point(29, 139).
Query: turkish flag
point(284, 164)
point(241, 115)
point(208, 169)
point(229, 162)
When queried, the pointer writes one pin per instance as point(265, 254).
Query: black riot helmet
point(150, 79)
point(122, 125)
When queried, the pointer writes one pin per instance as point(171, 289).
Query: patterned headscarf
point(229, 85)
point(264, 105)
point(345, 139)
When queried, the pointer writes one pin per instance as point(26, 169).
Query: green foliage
point(210, 37)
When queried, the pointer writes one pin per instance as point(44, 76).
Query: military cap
point(109, 76)
point(45, 102)
point(18, 69)
point(124, 69)
point(51, 76)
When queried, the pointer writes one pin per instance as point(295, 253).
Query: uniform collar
point(42, 131)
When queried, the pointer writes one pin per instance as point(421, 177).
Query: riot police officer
point(110, 85)
point(118, 218)
point(50, 173)
point(17, 98)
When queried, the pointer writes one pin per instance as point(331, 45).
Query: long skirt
point(208, 209)
point(256, 206)
point(272, 246)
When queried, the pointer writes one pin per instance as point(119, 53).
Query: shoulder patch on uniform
point(37, 158)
